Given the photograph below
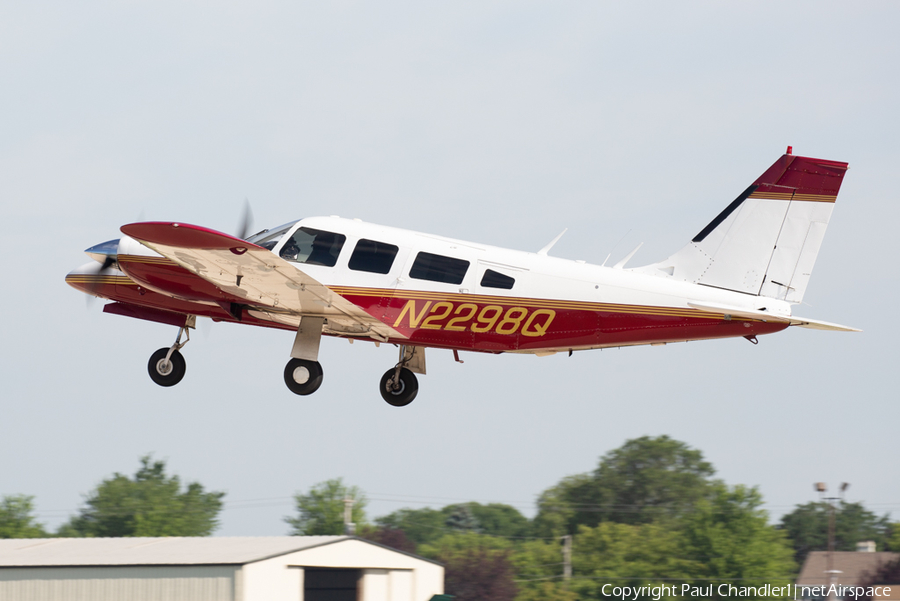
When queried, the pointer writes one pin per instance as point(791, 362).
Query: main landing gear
point(303, 376)
point(167, 366)
point(303, 373)
point(399, 385)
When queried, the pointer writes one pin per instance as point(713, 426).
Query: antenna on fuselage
point(621, 263)
point(614, 248)
point(544, 250)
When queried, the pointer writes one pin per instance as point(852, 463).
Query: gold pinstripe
point(147, 260)
point(525, 302)
point(472, 298)
point(790, 196)
point(118, 280)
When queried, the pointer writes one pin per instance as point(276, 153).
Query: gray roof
point(853, 566)
point(215, 550)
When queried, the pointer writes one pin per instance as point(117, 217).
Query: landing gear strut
point(167, 366)
point(399, 385)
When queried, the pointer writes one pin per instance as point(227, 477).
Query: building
point(294, 568)
point(851, 569)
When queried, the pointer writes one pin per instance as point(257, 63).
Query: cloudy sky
point(501, 123)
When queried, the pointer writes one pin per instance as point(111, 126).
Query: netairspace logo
point(656, 593)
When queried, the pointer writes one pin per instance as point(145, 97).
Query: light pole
point(832, 573)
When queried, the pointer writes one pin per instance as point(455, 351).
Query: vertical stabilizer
point(766, 241)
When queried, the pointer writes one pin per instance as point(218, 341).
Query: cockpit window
point(313, 247)
point(438, 268)
point(269, 239)
point(372, 256)
point(495, 279)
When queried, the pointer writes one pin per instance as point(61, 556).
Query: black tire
point(405, 393)
point(303, 377)
point(166, 375)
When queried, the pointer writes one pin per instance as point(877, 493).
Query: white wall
point(376, 585)
point(272, 580)
point(387, 575)
point(114, 583)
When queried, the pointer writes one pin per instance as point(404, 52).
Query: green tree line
point(651, 512)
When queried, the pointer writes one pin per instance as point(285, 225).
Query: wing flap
point(251, 272)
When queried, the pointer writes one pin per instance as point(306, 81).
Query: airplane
point(738, 277)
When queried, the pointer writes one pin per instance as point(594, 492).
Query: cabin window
point(313, 247)
point(493, 279)
point(438, 268)
point(372, 256)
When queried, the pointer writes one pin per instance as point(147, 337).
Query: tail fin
point(766, 241)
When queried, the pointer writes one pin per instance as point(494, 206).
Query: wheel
point(402, 394)
point(303, 377)
point(166, 373)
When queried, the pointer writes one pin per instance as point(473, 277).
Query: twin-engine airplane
point(340, 277)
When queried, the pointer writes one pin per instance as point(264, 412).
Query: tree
point(886, 573)
point(648, 478)
point(427, 525)
point(627, 555)
point(893, 537)
point(495, 519)
point(645, 480)
point(321, 510)
point(561, 508)
point(460, 518)
point(807, 527)
point(389, 537)
point(539, 571)
point(150, 504)
point(16, 520)
point(476, 567)
point(420, 525)
point(729, 539)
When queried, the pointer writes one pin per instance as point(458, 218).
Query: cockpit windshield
point(268, 239)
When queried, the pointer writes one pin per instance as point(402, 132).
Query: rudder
point(766, 241)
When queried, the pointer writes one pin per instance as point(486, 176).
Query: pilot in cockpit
point(290, 250)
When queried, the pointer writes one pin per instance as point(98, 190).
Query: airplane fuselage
point(546, 304)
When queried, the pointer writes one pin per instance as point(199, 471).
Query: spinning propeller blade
point(246, 221)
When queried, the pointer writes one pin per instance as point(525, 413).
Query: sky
point(501, 123)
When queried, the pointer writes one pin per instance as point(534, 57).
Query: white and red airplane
point(342, 277)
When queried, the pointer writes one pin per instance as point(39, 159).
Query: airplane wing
point(770, 317)
point(269, 283)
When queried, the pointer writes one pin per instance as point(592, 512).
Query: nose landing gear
point(167, 366)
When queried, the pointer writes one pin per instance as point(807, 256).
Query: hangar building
point(278, 568)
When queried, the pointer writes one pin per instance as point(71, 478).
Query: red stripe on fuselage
point(461, 321)
point(511, 324)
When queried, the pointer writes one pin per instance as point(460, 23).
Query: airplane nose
point(104, 253)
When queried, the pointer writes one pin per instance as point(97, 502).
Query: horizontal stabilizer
point(770, 317)
point(815, 324)
point(740, 312)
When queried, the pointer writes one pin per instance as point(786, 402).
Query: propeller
point(105, 255)
point(246, 221)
